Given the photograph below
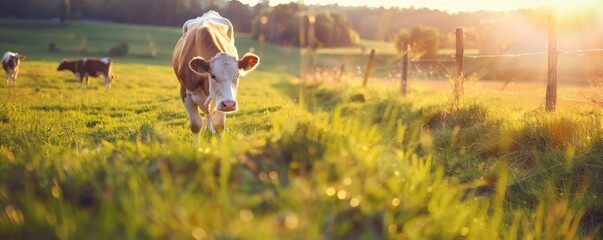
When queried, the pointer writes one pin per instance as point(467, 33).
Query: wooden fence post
point(404, 84)
point(369, 67)
point(303, 50)
point(551, 86)
point(458, 83)
point(341, 70)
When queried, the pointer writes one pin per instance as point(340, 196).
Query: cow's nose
point(228, 106)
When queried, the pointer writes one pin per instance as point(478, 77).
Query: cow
point(86, 67)
point(11, 62)
point(207, 66)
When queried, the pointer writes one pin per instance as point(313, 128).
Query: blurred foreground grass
point(347, 163)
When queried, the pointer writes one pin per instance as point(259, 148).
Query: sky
point(453, 5)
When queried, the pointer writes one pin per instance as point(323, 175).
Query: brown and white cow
point(86, 67)
point(11, 62)
point(206, 63)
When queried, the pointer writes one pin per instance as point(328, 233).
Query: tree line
point(151, 12)
point(425, 30)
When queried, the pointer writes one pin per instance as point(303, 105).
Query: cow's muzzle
point(227, 106)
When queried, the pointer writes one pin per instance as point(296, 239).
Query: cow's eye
point(213, 76)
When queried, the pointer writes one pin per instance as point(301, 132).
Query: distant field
point(86, 39)
point(320, 159)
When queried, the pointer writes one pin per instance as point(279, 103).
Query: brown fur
point(91, 67)
point(205, 40)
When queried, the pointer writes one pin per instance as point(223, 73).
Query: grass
point(297, 161)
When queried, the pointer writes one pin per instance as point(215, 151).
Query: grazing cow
point(10, 63)
point(206, 63)
point(94, 67)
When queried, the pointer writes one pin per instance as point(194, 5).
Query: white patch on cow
point(7, 56)
point(210, 16)
point(105, 60)
point(11, 72)
point(224, 82)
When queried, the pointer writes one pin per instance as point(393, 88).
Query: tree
point(239, 15)
point(80, 8)
point(282, 26)
point(64, 10)
point(403, 40)
point(282, 22)
point(333, 30)
point(423, 40)
point(11, 8)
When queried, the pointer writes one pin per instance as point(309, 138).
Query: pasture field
point(327, 160)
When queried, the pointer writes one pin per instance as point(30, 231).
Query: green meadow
point(299, 160)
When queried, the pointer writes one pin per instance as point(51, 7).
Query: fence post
point(551, 86)
point(458, 83)
point(404, 84)
point(303, 50)
point(341, 70)
point(369, 67)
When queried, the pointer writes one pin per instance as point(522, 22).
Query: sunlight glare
point(331, 191)
point(453, 6)
point(342, 194)
point(198, 233)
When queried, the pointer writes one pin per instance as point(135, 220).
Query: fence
point(459, 57)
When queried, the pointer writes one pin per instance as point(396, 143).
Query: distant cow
point(206, 63)
point(87, 67)
point(10, 63)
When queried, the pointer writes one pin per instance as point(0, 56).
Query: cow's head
point(223, 72)
point(20, 57)
point(63, 64)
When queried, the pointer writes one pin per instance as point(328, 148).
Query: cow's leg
point(218, 123)
point(87, 81)
point(107, 81)
point(192, 110)
point(15, 74)
point(8, 78)
point(81, 82)
point(208, 120)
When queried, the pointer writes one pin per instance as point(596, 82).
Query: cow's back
point(96, 67)
point(204, 39)
point(210, 16)
point(7, 63)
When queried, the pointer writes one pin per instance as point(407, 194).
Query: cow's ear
point(21, 57)
point(249, 62)
point(199, 65)
point(65, 60)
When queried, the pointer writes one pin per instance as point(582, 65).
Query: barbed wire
point(534, 53)
point(431, 60)
point(385, 67)
point(447, 61)
point(505, 55)
point(584, 50)
point(543, 95)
